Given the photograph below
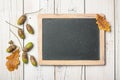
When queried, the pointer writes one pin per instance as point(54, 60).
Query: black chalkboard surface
point(70, 39)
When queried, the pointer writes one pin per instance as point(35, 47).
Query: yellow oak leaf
point(102, 23)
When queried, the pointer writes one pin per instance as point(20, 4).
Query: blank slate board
point(70, 40)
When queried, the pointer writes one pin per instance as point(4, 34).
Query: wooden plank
point(4, 73)
point(69, 7)
point(117, 38)
point(30, 72)
point(13, 17)
point(40, 72)
point(9, 12)
point(106, 72)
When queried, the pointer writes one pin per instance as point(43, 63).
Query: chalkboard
point(70, 40)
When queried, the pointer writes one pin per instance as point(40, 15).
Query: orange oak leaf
point(13, 60)
point(102, 23)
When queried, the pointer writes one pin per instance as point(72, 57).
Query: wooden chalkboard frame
point(69, 62)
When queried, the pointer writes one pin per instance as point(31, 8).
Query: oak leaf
point(102, 23)
point(13, 60)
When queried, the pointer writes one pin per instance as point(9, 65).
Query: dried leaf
point(102, 23)
point(13, 60)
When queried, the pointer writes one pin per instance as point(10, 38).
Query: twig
point(12, 25)
point(34, 11)
point(16, 37)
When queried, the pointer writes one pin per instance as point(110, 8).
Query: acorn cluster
point(22, 19)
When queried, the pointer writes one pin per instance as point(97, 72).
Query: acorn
point(33, 61)
point(21, 33)
point(9, 49)
point(25, 57)
point(28, 47)
point(12, 47)
point(10, 42)
point(21, 20)
point(29, 29)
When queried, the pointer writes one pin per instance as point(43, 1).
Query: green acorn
point(21, 33)
point(29, 29)
point(21, 20)
point(24, 57)
point(28, 47)
point(9, 49)
point(33, 61)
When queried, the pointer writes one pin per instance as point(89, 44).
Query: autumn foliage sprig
point(12, 48)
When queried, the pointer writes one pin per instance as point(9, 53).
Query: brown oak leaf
point(13, 60)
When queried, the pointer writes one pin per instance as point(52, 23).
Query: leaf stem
point(34, 11)
point(12, 25)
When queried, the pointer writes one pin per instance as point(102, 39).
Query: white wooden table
point(10, 10)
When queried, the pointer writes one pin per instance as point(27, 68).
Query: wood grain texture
point(69, 7)
point(3, 40)
point(11, 9)
point(117, 38)
point(30, 72)
point(103, 72)
point(40, 72)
